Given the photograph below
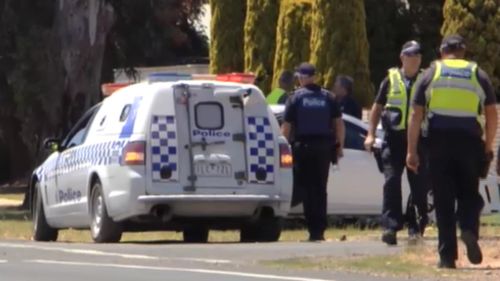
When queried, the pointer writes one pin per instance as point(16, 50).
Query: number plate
point(213, 169)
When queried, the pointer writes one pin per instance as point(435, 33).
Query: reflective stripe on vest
point(397, 97)
point(454, 93)
point(274, 96)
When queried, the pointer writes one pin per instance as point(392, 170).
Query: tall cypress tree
point(339, 44)
point(260, 39)
point(427, 19)
point(388, 26)
point(226, 40)
point(292, 36)
point(478, 21)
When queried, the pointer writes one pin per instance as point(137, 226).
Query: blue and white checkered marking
point(96, 154)
point(260, 149)
point(164, 146)
point(84, 156)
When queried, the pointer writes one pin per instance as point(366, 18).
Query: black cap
point(410, 48)
point(286, 77)
point(306, 69)
point(452, 42)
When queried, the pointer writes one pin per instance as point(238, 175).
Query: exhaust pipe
point(162, 212)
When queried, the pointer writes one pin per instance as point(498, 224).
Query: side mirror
point(51, 144)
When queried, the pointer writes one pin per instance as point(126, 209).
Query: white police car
point(168, 154)
point(355, 185)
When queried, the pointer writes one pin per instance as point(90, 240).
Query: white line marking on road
point(180, 269)
point(107, 254)
point(3, 261)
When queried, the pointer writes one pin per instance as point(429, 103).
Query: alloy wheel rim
point(97, 211)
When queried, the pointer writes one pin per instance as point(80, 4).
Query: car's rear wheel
point(42, 231)
point(195, 234)
point(102, 228)
point(265, 230)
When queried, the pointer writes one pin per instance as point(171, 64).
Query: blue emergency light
point(168, 77)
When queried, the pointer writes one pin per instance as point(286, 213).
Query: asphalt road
point(30, 261)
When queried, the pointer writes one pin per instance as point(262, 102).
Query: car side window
point(77, 139)
point(125, 112)
point(354, 136)
point(78, 133)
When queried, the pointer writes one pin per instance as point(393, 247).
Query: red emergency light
point(109, 88)
point(247, 78)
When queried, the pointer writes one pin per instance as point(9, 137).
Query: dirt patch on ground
point(488, 269)
point(9, 203)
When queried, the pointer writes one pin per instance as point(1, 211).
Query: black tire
point(42, 231)
point(195, 234)
point(102, 228)
point(248, 234)
point(265, 230)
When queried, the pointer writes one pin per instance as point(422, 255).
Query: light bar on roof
point(247, 78)
point(109, 88)
point(168, 77)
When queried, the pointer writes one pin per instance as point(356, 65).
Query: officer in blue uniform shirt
point(316, 119)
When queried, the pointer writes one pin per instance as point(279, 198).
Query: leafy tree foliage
point(260, 39)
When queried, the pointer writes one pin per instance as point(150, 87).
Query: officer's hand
point(340, 152)
point(369, 141)
point(412, 162)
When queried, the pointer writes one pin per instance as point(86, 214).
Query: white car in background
point(355, 185)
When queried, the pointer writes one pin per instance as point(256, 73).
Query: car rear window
point(209, 115)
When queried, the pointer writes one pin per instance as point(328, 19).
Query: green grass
point(16, 224)
point(13, 196)
point(493, 219)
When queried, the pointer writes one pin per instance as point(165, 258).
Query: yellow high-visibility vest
point(274, 96)
point(455, 99)
point(397, 99)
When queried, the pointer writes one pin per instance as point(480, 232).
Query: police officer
point(392, 105)
point(451, 95)
point(314, 115)
point(280, 94)
point(343, 90)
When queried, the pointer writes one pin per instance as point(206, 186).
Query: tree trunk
point(57, 50)
point(82, 27)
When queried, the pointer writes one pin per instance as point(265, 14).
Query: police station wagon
point(170, 153)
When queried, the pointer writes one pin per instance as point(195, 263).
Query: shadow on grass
point(13, 213)
point(174, 242)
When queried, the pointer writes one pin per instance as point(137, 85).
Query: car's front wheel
point(195, 234)
point(42, 231)
point(102, 228)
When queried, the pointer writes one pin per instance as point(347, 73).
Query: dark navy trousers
point(394, 164)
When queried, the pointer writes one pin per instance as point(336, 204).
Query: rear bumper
point(211, 198)
point(214, 205)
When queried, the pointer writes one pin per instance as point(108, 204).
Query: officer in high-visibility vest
point(392, 105)
point(451, 97)
point(315, 116)
point(280, 94)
